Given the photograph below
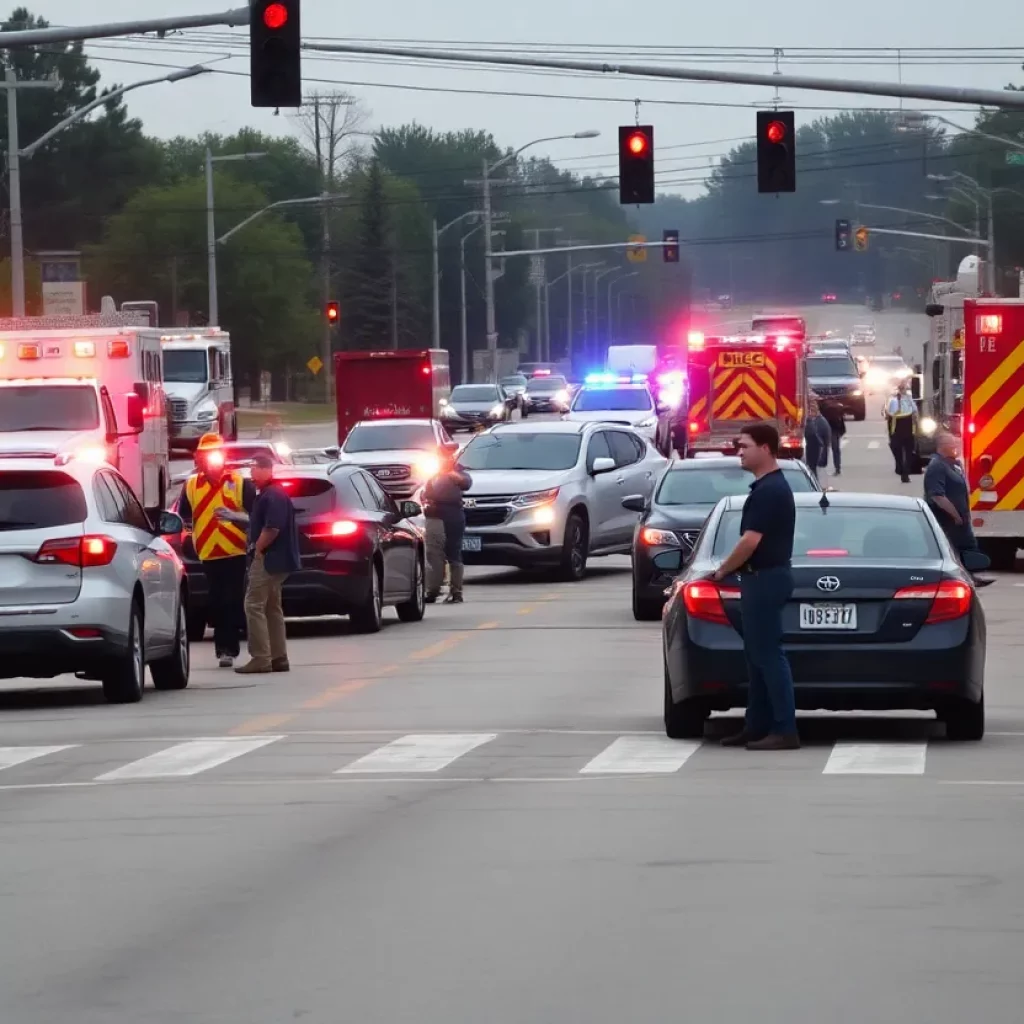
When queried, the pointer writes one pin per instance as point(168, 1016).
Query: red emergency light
point(30, 351)
point(990, 323)
point(118, 349)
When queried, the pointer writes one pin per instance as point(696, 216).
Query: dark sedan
point(883, 616)
point(687, 492)
point(360, 551)
point(477, 405)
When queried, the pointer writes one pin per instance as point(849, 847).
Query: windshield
point(475, 393)
point(709, 486)
point(833, 366)
point(521, 451)
point(847, 532)
point(48, 407)
point(37, 501)
point(387, 437)
point(513, 382)
point(545, 384)
point(188, 367)
point(613, 400)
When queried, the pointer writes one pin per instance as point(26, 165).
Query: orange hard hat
point(209, 442)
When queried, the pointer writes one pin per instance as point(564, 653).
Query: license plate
point(472, 543)
point(828, 616)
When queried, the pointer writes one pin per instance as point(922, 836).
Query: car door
point(605, 492)
point(403, 540)
point(135, 561)
point(633, 476)
point(366, 488)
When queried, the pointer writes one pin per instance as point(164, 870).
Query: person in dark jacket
point(835, 416)
point(446, 524)
point(817, 438)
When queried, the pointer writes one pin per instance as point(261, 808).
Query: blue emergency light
point(615, 378)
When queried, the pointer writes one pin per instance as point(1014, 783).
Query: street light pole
point(463, 314)
point(611, 285)
point(598, 278)
point(436, 234)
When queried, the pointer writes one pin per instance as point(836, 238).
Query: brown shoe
point(255, 668)
point(280, 665)
point(776, 742)
point(739, 739)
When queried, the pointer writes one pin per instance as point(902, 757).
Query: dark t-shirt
point(442, 497)
point(770, 511)
point(943, 479)
point(273, 510)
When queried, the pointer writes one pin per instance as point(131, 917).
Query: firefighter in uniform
point(211, 496)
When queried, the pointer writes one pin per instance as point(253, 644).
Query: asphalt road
point(477, 818)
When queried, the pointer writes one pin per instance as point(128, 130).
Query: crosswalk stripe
point(874, 444)
point(189, 758)
point(418, 753)
point(877, 759)
point(11, 756)
point(642, 755)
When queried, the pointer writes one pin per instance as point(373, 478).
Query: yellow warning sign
point(316, 364)
point(637, 254)
point(733, 360)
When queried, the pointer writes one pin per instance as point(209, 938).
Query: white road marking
point(874, 444)
point(877, 759)
point(420, 752)
point(189, 758)
point(11, 756)
point(642, 755)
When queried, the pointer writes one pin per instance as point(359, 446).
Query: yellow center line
point(441, 647)
point(525, 611)
point(261, 723)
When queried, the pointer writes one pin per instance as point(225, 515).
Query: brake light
point(337, 529)
point(81, 552)
point(426, 371)
point(703, 600)
point(694, 426)
point(30, 351)
point(827, 553)
point(950, 599)
point(118, 349)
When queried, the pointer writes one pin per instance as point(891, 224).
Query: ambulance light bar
point(85, 349)
point(119, 348)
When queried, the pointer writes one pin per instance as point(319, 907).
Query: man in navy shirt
point(274, 549)
point(762, 557)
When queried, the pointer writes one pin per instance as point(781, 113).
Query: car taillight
point(703, 599)
point(950, 599)
point(337, 529)
point(827, 553)
point(81, 552)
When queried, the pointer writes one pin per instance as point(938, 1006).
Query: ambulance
point(86, 387)
point(735, 381)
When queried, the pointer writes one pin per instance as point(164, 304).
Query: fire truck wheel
point(124, 678)
point(1003, 554)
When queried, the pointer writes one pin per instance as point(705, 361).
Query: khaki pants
point(264, 615)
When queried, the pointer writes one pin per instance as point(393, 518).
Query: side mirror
point(410, 509)
point(671, 561)
point(975, 561)
point(602, 465)
point(635, 503)
point(333, 452)
point(135, 413)
point(169, 524)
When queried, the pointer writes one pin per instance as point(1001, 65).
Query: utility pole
point(211, 245)
point(540, 277)
point(325, 252)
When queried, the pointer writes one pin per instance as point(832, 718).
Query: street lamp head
point(830, 202)
point(590, 133)
point(179, 76)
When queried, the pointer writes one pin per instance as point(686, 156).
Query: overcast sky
point(694, 122)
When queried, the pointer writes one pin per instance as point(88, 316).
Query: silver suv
point(549, 495)
point(87, 584)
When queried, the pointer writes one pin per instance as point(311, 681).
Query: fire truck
point(86, 387)
point(735, 381)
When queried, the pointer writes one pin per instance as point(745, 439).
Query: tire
point(196, 627)
point(683, 721)
point(369, 618)
point(860, 413)
point(413, 609)
point(965, 721)
point(124, 677)
point(172, 672)
point(646, 610)
point(575, 548)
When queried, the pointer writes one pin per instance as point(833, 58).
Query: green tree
point(370, 275)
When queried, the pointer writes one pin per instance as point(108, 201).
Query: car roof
point(726, 462)
point(847, 499)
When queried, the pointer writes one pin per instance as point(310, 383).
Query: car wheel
point(860, 413)
point(965, 720)
point(644, 609)
point(413, 609)
point(172, 672)
point(369, 617)
point(196, 627)
point(124, 678)
point(685, 720)
point(575, 549)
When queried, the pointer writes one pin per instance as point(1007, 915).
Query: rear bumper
point(47, 651)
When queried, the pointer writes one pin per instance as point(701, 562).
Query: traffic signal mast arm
point(580, 248)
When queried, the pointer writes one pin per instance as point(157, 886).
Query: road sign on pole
point(315, 365)
point(1015, 157)
point(638, 254)
point(537, 271)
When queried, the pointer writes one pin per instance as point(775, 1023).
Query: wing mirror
point(170, 524)
point(601, 465)
point(671, 561)
point(410, 509)
point(635, 503)
point(975, 561)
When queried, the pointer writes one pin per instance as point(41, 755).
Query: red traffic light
point(275, 16)
point(776, 132)
point(333, 312)
point(637, 143)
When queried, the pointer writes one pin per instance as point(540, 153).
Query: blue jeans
point(771, 705)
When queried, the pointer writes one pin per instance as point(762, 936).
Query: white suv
point(549, 495)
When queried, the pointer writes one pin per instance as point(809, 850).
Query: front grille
point(179, 409)
point(831, 391)
point(385, 474)
point(493, 516)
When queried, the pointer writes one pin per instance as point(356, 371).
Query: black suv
point(834, 375)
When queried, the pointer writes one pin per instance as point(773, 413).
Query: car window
point(108, 499)
point(345, 491)
point(599, 448)
point(360, 484)
point(831, 366)
point(847, 532)
point(624, 449)
point(546, 384)
point(40, 500)
point(382, 501)
point(708, 485)
point(383, 437)
point(48, 407)
point(133, 513)
point(520, 450)
point(476, 393)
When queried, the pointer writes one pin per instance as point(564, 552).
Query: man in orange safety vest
point(211, 496)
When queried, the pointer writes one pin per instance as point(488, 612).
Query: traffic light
point(275, 47)
point(860, 239)
point(636, 164)
point(842, 236)
point(333, 313)
point(776, 151)
point(670, 250)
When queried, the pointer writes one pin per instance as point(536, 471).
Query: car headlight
point(856, 392)
point(928, 425)
point(208, 412)
point(534, 498)
point(497, 410)
point(651, 421)
point(658, 538)
point(447, 410)
point(427, 467)
point(561, 396)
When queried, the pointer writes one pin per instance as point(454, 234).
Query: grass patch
point(290, 414)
